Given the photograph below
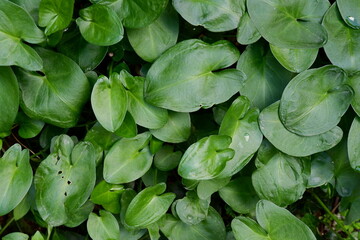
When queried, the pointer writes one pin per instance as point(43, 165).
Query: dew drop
point(351, 18)
point(247, 137)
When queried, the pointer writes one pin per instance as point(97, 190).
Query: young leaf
point(16, 236)
point(100, 25)
point(9, 100)
point(216, 16)
point(293, 24)
point(151, 41)
point(291, 143)
point(37, 236)
point(64, 180)
point(17, 26)
point(349, 10)
point(206, 158)
point(128, 159)
point(16, 175)
point(108, 195)
point(55, 15)
point(342, 47)
point(153, 203)
point(191, 84)
point(104, 226)
point(241, 124)
point(109, 102)
point(266, 78)
point(327, 99)
point(59, 95)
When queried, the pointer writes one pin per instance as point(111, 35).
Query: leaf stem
point(7, 225)
point(332, 215)
point(49, 230)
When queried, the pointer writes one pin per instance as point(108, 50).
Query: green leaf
point(280, 224)
point(153, 203)
point(144, 114)
point(128, 128)
point(109, 102)
point(177, 129)
point(22, 208)
point(294, 24)
point(151, 41)
point(207, 187)
point(166, 159)
point(189, 84)
point(28, 127)
point(322, 170)
point(31, 6)
point(191, 209)
point(342, 47)
point(128, 159)
point(100, 25)
point(212, 228)
point(58, 96)
point(79, 215)
point(18, 26)
point(353, 144)
point(277, 224)
point(206, 158)
point(240, 195)
point(349, 10)
point(88, 56)
point(327, 99)
point(104, 226)
point(353, 82)
point(241, 124)
point(247, 32)
point(213, 15)
point(55, 15)
point(16, 236)
point(266, 78)
point(37, 236)
point(16, 175)
point(291, 143)
point(295, 60)
point(287, 185)
point(9, 100)
point(108, 195)
point(64, 180)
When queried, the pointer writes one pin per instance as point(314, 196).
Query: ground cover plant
point(182, 119)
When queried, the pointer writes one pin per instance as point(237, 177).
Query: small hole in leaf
point(59, 172)
point(58, 157)
point(68, 182)
point(62, 177)
point(65, 194)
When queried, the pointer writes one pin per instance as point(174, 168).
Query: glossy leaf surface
point(104, 226)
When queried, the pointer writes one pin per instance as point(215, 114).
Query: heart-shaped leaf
point(327, 99)
point(206, 158)
point(190, 84)
point(342, 47)
point(9, 100)
point(241, 124)
point(17, 26)
point(128, 159)
point(291, 143)
point(56, 96)
point(154, 204)
point(109, 102)
point(294, 24)
point(64, 180)
point(16, 175)
point(55, 15)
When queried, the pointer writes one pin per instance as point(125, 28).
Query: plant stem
point(49, 230)
point(6, 225)
point(336, 219)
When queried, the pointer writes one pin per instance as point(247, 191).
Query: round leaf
point(16, 175)
point(350, 12)
point(291, 24)
point(291, 143)
point(58, 97)
point(241, 124)
point(295, 60)
point(214, 15)
point(109, 102)
point(206, 158)
point(314, 101)
point(100, 25)
point(128, 159)
point(182, 79)
point(153, 203)
point(104, 226)
point(9, 100)
point(342, 47)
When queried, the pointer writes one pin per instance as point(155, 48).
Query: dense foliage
point(182, 119)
